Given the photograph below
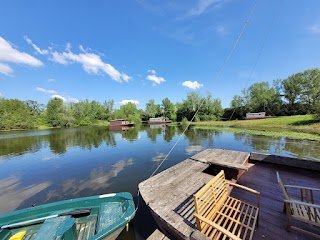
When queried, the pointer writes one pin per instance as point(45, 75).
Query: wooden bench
point(220, 216)
point(304, 209)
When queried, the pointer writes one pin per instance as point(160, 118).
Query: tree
point(54, 112)
point(168, 109)
point(311, 88)
point(16, 114)
point(292, 90)
point(128, 111)
point(261, 96)
point(152, 109)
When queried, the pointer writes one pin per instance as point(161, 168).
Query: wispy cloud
point(192, 85)
point(5, 69)
point(42, 52)
point(221, 30)
point(8, 54)
point(153, 78)
point(55, 94)
point(50, 80)
point(45, 91)
point(193, 149)
point(315, 28)
point(204, 5)
point(124, 102)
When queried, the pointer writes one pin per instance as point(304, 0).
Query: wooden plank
point(226, 158)
point(157, 235)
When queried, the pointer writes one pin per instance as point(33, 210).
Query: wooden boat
point(158, 120)
point(95, 217)
point(169, 194)
point(120, 125)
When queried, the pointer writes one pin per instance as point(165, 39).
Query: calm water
point(39, 167)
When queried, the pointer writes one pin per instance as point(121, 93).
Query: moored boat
point(95, 217)
point(169, 195)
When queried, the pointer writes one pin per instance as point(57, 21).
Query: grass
point(295, 127)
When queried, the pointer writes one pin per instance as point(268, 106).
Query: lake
point(38, 167)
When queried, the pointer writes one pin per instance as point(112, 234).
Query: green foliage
point(54, 112)
point(317, 112)
point(152, 109)
point(169, 110)
point(128, 111)
point(16, 114)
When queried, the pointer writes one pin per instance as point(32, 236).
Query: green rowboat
point(92, 218)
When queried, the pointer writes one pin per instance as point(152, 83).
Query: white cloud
point(5, 69)
point(124, 102)
point(193, 85)
point(51, 80)
point(42, 52)
point(65, 99)
point(221, 30)
point(202, 6)
point(153, 72)
point(45, 91)
point(9, 54)
point(152, 77)
point(91, 63)
point(193, 149)
point(59, 96)
point(315, 28)
point(59, 58)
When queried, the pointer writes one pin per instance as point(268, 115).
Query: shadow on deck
point(262, 177)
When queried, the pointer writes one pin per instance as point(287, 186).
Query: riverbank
point(295, 127)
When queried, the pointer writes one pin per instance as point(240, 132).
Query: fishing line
point(203, 100)
point(261, 49)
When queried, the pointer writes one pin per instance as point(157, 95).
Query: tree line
point(297, 94)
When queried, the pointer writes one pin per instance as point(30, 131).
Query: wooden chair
point(304, 209)
point(220, 216)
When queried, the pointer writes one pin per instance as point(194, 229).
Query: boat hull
point(108, 216)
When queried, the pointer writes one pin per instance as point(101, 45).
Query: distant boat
point(119, 125)
point(158, 120)
point(96, 217)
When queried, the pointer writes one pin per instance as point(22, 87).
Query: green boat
point(92, 218)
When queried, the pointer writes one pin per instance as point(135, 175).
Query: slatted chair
point(304, 209)
point(220, 216)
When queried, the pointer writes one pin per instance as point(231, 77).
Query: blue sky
point(141, 50)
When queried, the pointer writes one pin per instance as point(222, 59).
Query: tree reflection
point(152, 133)
point(169, 133)
point(131, 134)
point(197, 136)
point(20, 145)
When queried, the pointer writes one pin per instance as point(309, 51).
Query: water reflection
point(46, 166)
point(12, 193)
point(98, 179)
point(58, 141)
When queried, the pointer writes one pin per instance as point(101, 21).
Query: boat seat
point(57, 228)
point(109, 213)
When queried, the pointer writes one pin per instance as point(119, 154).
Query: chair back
point(209, 199)
point(282, 187)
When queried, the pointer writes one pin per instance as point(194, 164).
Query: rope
point(261, 49)
point(203, 100)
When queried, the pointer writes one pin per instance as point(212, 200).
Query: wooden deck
point(262, 177)
point(169, 195)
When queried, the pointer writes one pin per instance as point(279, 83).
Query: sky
point(137, 50)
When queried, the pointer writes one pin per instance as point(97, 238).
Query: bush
point(317, 112)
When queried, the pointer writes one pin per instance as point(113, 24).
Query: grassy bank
point(295, 127)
